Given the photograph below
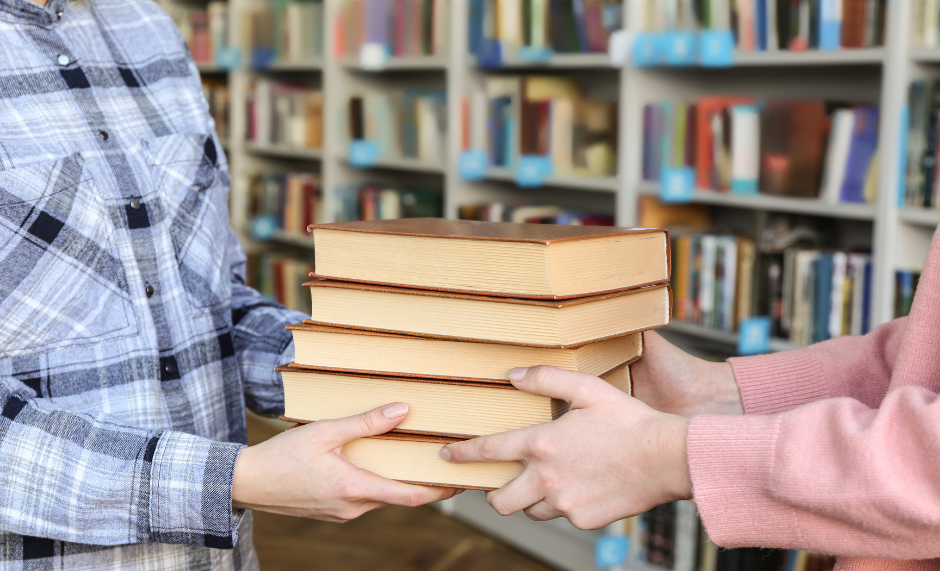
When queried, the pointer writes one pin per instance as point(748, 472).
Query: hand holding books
point(609, 457)
point(304, 473)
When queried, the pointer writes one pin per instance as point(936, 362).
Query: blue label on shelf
point(744, 186)
point(261, 58)
point(531, 54)
point(263, 227)
point(491, 54)
point(228, 57)
point(647, 49)
point(677, 184)
point(472, 165)
point(532, 170)
point(611, 551)
point(363, 154)
point(681, 48)
point(754, 336)
point(716, 48)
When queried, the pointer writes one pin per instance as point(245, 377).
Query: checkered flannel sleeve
point(261, 340)
point(90, 479)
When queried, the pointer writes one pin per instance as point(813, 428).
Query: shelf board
point(920, 216)
point(724, 337)
point(283, 151)
point(811, 206)
point(926, 55)
point(573, 182)
point(862, 56)
point(402, 63)
point(210, 67)
point(406, 164)
point(301, 65)
point(558, 61)
point(288, 239)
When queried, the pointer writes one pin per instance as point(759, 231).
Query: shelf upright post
point(458, 70)
point(894, 85)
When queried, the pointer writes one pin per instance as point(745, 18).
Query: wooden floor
point(391, 539)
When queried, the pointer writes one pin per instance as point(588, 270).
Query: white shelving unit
point(899, 237)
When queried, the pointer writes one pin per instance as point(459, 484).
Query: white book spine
point(707, 292)
point(837, 157)
point(730, 250)
point(745, 152)
point(837, 299)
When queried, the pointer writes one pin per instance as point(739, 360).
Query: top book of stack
point(490, 258)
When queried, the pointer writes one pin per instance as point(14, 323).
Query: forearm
point(833, 476)
point(84, 479)
point(774, 383)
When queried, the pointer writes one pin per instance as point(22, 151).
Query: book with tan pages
point(416, 459)
point(538, 261)
point(457, 409)
point(536, 323)
point(362, 351)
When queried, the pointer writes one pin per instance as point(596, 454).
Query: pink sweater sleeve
point(834, 476)
point(779, 382)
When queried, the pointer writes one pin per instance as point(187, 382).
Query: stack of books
point(436, 313)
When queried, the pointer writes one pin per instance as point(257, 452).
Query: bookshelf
point(898, 236)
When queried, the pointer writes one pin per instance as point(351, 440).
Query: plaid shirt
point(129, 343)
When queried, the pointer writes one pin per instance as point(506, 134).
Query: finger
point(517, 495)
point(376, 421)
point(503, 447)
point(542, 511)
point(577, 389)
point(375, 488)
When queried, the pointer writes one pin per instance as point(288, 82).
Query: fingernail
point(396, 410)
point(517, 374)
point(445, 454)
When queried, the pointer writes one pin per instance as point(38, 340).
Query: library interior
point(789, 147)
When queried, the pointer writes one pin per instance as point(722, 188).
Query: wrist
point(241, 486)
point(724, 394)
point(678, 475)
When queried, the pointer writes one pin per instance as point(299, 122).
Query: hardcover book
point(523, 260)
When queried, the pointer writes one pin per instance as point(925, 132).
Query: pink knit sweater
point(839, 450)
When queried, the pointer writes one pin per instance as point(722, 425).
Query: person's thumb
point(376, 421)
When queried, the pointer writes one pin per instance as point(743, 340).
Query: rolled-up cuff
point(775, 383)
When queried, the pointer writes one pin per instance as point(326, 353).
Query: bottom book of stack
point(440, 412)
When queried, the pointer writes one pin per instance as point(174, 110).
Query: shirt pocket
point(187, 176)
point(62, 280)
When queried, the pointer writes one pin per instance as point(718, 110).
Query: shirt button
point(135, 204)
point(149, 290)
point(58, 14)
point(168, 368)
point(104, 135)
point(64, 60)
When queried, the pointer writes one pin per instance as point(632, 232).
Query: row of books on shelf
point(205, 29)
point(289, 199)
point(532, 214)
point(921, 187)
point(925, 24)
point(283, 30)
point(547, 116)
point(278, 277)
point(410, 123)
point(217, 95)
point(404, 28)
point(671, 536)
point(812, 149)
point(770, 25)
point(284, 114)
point(562, 26)
point(382, 202)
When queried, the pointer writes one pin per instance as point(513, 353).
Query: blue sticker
point(754, 336)
point(261, 58)
point(227, 57)
point(363, 154)
point(473, 165)
point(716, 48)
point(531, 54)
point(647, 50)
point(681, 48)
point(677, 184)
point(611, 551)
point(491, 54)
point(263, 228)
point(532, 170)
